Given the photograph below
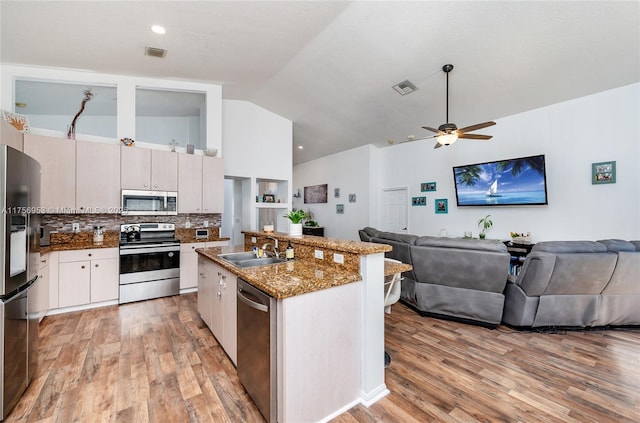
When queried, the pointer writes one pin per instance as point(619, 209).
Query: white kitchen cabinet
point(217, 303)
point(105, 275)
point(212, 185)
point(88, 276)
point(149, 170)
point(206, 282)
point(42, 295)
point(57, 158)
point(97, 177)
point(74, 285)
point(135, 168)
point(164, 170)
point(200, 184)
point(190, 183)
point(53, 279)
point(189, 261)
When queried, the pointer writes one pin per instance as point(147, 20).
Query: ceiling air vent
point(155, 52)
point(404, 87)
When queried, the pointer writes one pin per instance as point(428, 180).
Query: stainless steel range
point(149, 261)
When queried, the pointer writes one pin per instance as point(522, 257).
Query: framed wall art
point(603, 173)
point(427, 186)
point(442, 206)
point(315, 194)
point(418, 201)
point(339, 208)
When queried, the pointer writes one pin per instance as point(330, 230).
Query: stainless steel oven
point(149, 261)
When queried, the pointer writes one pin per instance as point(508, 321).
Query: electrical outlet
point(253, 239)
point(338, 258)
point(75, 227)
point(319, 254)
point(205, 223)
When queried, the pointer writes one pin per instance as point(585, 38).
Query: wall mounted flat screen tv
point(513, 182)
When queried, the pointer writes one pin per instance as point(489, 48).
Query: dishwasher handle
point(251, 303)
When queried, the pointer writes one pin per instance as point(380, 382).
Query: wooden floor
point(156, 361)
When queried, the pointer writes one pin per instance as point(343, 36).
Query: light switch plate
point(338, 258)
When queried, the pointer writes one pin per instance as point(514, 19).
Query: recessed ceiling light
point(300, 147)
point(158, 29)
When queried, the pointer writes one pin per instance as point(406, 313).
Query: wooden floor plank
point(156, 361)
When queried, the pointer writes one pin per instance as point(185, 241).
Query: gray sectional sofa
point(462, 279)
point(576, 284)
point(561, 284)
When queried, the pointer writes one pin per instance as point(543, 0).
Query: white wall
point(351, 172)
point(256, 141)
point(572, 135)
point(258, 145)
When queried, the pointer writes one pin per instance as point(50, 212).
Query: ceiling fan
point(448, 133)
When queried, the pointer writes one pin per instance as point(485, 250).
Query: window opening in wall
point(171, 118)
point(52, 105)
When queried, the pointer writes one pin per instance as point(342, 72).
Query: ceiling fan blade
point(438, 145)
point(437, 131)
point(475, 127)
point(417, 139)
point(475, 136)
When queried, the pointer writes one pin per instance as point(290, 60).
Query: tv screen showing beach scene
point(512, 182)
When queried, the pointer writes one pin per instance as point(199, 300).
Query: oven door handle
point(148, 250)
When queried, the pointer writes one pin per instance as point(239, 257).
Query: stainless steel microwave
point(149, 203)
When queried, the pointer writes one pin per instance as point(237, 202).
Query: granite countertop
point(357, 247)
point(391, 268)
point(64, 241)
point(287, 279)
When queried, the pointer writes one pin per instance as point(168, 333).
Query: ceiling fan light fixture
point(447, 139)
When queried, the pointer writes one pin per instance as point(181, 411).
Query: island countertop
point(286, 279)
point(357, 247)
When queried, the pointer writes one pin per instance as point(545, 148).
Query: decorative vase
point(482, 235)
point(295, 229)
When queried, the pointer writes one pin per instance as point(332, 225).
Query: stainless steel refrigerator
point(19, 252)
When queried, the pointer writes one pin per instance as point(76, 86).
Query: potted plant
point(296, 217)
point(484, 224)
point(308, 220)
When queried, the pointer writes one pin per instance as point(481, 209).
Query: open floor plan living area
point(320, 211)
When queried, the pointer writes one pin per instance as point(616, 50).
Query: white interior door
point(394, 209)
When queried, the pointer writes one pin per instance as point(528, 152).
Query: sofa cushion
point(366, 234)
point(461, 243)
point(405, 238)
point(618, 245)
point(560, 247)
point(637, 244)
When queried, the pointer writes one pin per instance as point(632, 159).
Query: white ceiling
point(329, 66)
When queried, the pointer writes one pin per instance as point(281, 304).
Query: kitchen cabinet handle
point(90, 254)
point(43, 261)
point(82, 267)
point(96, 265)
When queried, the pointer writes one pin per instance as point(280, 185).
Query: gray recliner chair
point(576, 284)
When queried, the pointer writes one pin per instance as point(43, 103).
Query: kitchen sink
point(233, 257)
point(248, 259)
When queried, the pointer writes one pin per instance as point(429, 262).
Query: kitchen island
point(330, 322)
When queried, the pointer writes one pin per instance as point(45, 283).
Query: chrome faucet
point(274, 247)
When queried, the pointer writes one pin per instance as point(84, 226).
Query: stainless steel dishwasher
point(257, 357)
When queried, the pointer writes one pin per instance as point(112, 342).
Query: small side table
point(519, 253)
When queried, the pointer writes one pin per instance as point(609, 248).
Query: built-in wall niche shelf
point(270, 191)
point(272, 205)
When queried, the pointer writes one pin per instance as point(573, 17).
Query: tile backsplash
point(112, 222)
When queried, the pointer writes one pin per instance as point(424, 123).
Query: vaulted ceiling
point(330, 66)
